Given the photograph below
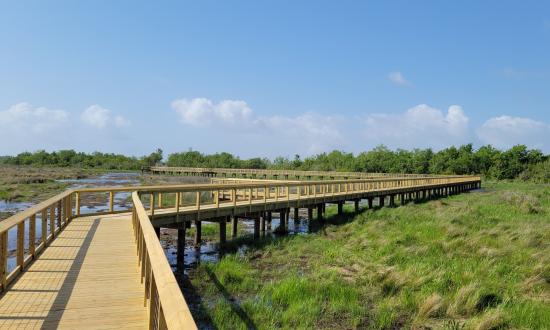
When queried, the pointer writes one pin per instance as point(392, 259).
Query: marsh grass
point(472, 261)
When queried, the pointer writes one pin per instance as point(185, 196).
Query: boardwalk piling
point(223, 227)
point(180, 247)
point(198, 233)
point(234, 225)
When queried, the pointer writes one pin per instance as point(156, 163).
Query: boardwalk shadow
point(60, 303)
point(195, 303)
point(235, 307)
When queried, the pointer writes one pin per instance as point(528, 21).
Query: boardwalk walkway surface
point(88, 277)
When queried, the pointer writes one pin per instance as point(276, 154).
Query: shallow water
point(208, 251)
point(112, 179)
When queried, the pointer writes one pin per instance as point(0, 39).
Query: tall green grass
point(472, 261)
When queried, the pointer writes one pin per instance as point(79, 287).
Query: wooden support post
point(77, 206)
point(296, 214)
point(181, 246)
point(3, 259)
point(234, 224)
point(262, 223)
point(198, 233)
point(52, 221)
point(356, 203)
point(44, 218)
point(282, 221)
point(309, 214)
point(111, 201)
point(20, 244)
point(256, 227)
point(370, 202)
point(402, 199)
point(381, 201)
point(392, 200)
point(59, 214)
point(320, 213)
point(340, 208)
point(32, 235)
point(223, 226)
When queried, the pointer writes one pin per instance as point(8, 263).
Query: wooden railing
point(277, 173)
point(50, 216)
point(232, 193)
point(167, 307)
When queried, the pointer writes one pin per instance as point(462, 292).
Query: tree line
point(516, 162)
point(71, 158)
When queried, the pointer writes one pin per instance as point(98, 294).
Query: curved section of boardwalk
point(88, 277)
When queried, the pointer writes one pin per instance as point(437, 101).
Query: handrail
point(54, 214)
point(280, 172)
point(167, 306)
point(271, 184)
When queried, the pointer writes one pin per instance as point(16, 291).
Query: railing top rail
point(174, 308)
point(240, 185)
point(280, 172)
point(23, 215)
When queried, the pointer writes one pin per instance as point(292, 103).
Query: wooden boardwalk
point(88, 277)
point(108, 270)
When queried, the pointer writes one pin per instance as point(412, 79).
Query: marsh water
point(113, 179)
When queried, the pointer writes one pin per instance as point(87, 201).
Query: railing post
point(20, 244)
point(52, 221)
point(32, 235)
point(3, 259)
point(59, 214)
point(198, 200)
point(44, 218)
point(77, 206)
point(152, 204)
point(111, 201)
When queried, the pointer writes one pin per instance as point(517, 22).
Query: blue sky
point(260, 78)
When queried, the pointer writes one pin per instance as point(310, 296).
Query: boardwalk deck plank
point(87, 278)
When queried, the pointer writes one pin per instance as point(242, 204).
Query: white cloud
point(506, 131)
point(398, 78)
point(420, 126)
point(25, 117)
point(99, 117)
point(204, 112)
point(308, 132)
point(26, 127)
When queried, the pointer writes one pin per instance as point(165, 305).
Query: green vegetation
point(470, 261)
point(71, 158)
point(539, 172)
point(487, 161)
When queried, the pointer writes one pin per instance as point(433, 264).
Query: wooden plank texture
point(87, 278)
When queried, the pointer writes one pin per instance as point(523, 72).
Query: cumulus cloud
point(398, 78)
point(309, 132)
point(506, 131)
point(204, 112)
point(99, 117)
point(420, 126)
point(25, 117)
point(26, 127)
